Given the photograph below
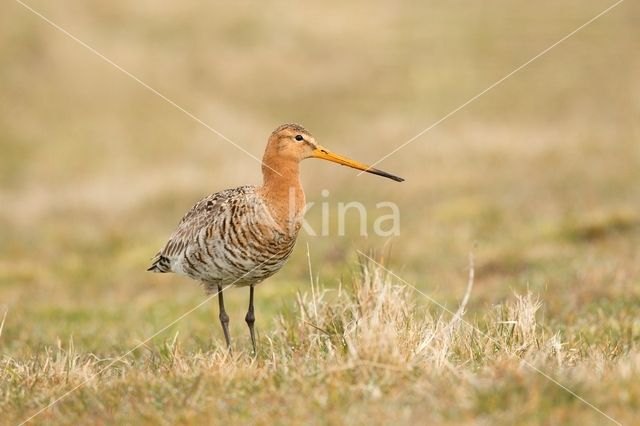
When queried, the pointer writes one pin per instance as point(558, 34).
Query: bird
point(239, 237)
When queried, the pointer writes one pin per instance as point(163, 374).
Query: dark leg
point(224, 318)
point(251, 319)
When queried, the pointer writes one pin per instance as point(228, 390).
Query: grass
point(538, 178)
point(368, 349)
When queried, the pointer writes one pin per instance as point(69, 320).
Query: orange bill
point(323, 153)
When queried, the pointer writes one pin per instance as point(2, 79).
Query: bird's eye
point(299, 138)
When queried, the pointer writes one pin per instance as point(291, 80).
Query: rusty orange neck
point(283, 191)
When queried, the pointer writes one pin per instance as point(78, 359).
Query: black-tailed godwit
point(244, 235)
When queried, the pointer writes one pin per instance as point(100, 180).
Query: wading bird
point(241, 236)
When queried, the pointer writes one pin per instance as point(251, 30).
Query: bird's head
point(294, 142)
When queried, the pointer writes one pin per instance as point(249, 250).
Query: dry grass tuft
point(377, 322)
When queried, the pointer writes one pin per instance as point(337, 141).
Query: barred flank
point(227, 238)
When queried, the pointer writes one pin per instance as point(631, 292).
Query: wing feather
point(201, 217)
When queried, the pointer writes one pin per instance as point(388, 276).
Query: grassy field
point(538, 178)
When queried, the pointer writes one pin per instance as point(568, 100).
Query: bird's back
point(229, 237)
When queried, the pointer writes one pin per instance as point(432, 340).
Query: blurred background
point(538, 177)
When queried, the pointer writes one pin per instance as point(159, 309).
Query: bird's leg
point(251, 319)
point(224, 318)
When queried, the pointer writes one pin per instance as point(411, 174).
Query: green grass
point(538, 178)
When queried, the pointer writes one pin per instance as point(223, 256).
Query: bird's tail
point(160, 264)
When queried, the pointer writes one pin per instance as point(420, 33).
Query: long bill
point(323, 153)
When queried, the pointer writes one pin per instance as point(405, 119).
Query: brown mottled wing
point(199, 216)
